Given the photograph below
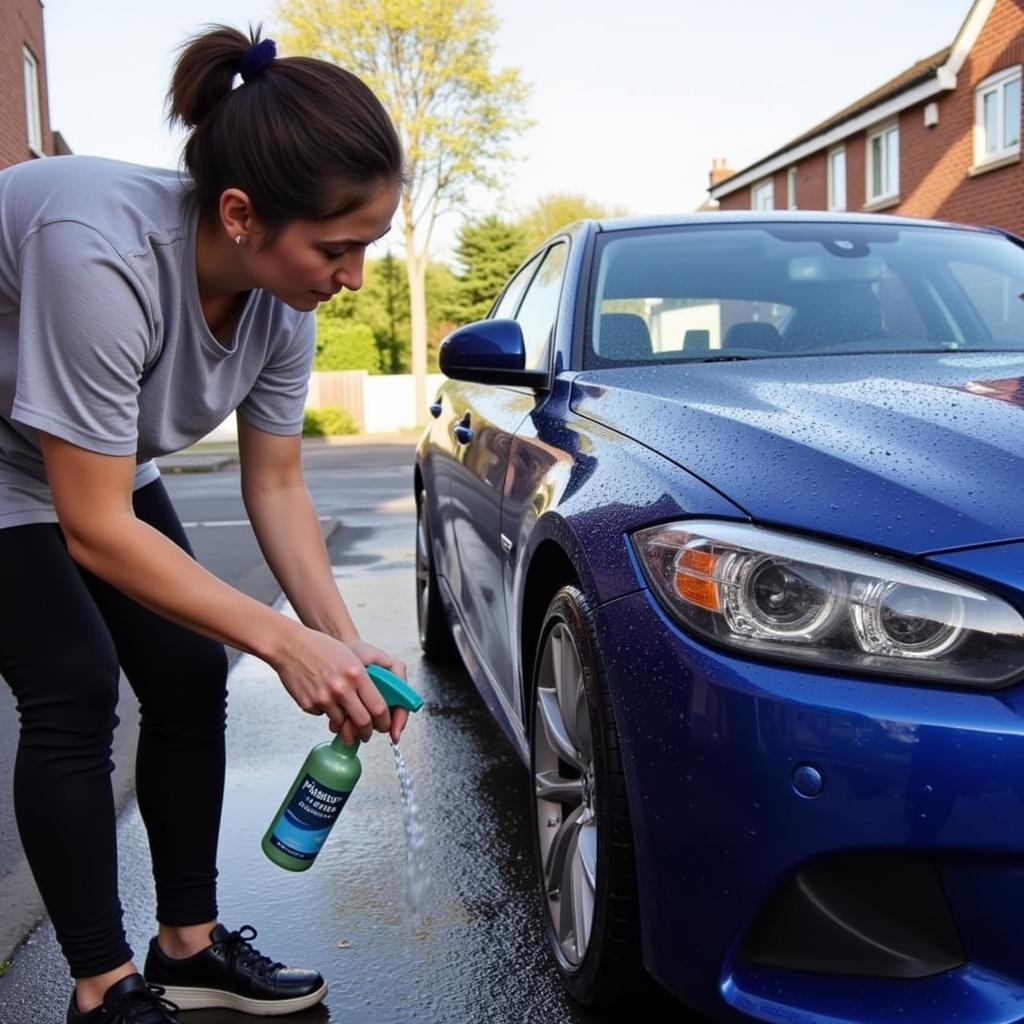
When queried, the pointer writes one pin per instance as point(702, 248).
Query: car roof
point(713, 218)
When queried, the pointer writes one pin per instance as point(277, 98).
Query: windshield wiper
point(722, 359)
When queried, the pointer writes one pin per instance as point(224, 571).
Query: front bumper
point(724, 824)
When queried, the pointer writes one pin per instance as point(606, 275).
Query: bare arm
point(92, 495)
point(285, 521)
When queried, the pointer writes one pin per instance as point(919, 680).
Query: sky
point(631, 101)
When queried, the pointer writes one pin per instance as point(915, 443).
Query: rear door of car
point(485, 419)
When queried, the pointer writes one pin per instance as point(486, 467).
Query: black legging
point(63, 633)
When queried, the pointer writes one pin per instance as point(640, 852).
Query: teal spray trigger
point(323, 785)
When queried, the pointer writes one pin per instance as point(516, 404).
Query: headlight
point(776, 595)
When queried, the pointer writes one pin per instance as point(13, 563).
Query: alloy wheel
point(564, 777)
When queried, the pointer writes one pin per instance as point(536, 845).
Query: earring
point(239, 239)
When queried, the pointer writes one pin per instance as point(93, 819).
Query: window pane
point(33, 123)
point(1011, 114)
point(892, 162)
point(989, 118)
point(764, 196)
point(839, 180)
point(876, 166)
point(540, 307)
point(506, 309)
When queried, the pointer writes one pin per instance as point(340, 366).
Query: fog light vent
point(882, 915)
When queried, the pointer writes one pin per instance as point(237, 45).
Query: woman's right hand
point(325, 677)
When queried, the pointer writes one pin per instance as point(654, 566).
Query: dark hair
point(303, 138)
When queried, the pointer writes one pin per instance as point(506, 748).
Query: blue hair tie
point(256, 58)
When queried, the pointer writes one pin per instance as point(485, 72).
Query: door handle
point(436, 409)
point(463, 431)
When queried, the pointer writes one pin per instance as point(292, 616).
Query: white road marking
point(236, 522)
point(403, 504)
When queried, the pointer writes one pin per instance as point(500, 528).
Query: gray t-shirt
point(102, 336)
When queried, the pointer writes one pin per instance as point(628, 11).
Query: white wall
point(227, 431)
point(388, 403)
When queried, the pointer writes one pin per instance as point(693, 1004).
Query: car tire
point(435, 634)
point(583, 839)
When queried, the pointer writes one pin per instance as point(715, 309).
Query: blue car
point(724, 515)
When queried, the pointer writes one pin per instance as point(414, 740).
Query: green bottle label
point(303, 826)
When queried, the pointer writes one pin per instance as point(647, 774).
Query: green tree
point(382, 304)
point(430, 63)
point(552, 212)
point(345, 345)
point(396, 310)
point(488, 251)
point(442, 286)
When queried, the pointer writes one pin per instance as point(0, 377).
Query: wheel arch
point(611, 973)
point(550, 569)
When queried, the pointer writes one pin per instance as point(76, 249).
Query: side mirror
point(489, 352)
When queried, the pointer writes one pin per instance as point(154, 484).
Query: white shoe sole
point(217, 999)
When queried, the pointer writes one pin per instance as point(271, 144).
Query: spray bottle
point(323, 785)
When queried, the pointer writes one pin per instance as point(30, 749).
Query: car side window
point(506, 307)
point(539, 309)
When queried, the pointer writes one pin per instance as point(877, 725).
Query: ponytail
point(205, 73)
point(303, 138)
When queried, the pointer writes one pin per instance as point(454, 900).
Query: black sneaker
point(128, 1001)
point(231, 975)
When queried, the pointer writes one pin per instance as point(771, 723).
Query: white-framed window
point(837, 178)
point(33, 110)
point(883, 163)
point(762, 195)
point(791, 189)
point(997, 116)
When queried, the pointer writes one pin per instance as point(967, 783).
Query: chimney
point(720, 170)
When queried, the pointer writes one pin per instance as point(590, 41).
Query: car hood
point(914, 453)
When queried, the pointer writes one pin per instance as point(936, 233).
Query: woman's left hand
point(370, 655)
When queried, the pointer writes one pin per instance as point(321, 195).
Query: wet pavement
point(479, 951)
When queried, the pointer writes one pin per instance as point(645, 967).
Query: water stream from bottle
point(417, 877)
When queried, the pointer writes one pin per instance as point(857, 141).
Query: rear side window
point(539, 309)
point(506, 307)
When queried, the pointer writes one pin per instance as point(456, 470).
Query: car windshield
point(734, 291)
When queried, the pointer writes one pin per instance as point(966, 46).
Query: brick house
point(940, 140)
point(24, 116)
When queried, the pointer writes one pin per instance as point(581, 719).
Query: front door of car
point(436, 461)
point(484, 421)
